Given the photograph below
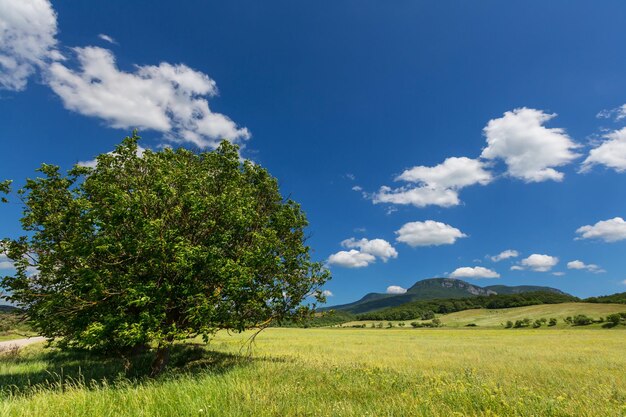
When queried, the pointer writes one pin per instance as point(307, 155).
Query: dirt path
point(21, 342)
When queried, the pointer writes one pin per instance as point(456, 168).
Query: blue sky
point(494, 125)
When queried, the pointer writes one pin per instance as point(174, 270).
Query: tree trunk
point(161, 359)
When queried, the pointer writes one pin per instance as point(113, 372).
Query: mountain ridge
point(431, 289)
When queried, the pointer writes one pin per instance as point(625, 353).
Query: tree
point(154, 248)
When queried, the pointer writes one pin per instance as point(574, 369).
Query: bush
point(471, 325)
point(416, 324)
point(508, 324)
point(581, 320)
point(401, 324)
point(537, 324)
point(552, 322)
point(428, 315)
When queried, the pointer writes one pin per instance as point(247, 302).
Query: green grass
point(15, 334)
point(494, 318)
point(340, 372)
point(489, 318)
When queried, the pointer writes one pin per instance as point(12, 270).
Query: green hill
point(431, 289)
point(494, 318)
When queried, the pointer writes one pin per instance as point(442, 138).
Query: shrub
point(508, 324)
point(537, 324)
point(581, 320)
point(552, 322)
point(416, 324)
point(401, 324)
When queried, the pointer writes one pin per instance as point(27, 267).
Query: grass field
point(483, 317)
point(342, 372)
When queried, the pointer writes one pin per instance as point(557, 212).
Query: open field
point(342, 372)
point(493, 318)
point(483, 317)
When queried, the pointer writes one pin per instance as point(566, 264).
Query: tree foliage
point(159, 247)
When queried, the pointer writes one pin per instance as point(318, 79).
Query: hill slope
point(433, 288)
point(494, 318)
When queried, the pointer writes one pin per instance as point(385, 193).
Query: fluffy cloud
point(351, 259)
point(367, 253)
point(27, 40)
point(611, 230)
point(376, 247)
point(536, 262)
point(418, 197)
point(581, 265)
point(168, 98)
point(509, 253)
point(610, 153)
point(438, 185)
point(474, 272)
point(394, 289)
point(529, 149)
point(428, 233)
point(327, 293)
point(453, 173)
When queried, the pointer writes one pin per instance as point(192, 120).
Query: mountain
point(504, 289)
point(430, 289)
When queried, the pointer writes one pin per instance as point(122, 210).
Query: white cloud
point(624, 282)
point(395, 289)
point(454, 173)
point(351, 259)
point(418, 197)
point(558, 274)
point(581, 265)
point(93, 162)
point(166, 98)
point(611, 230)
point(537, 262)
point(376, 247)
point(357, 188)
point(27, 40)
point(474, 272)
point(509, 253)
point(428, 233)
point(327, 293)
point(617, 113)
point(107, 38)
point(5, 262)
point(610, 153)
point(368, 251)
point(438, 185)
point(530, 150)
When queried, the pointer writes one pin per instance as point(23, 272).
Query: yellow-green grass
point(352, 372)
point(15, 334)
point(490, 318)
point(483, 317)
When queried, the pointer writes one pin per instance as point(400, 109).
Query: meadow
point(496, 318)
point(339, 372)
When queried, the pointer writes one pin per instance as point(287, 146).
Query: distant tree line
point(618, 298)
point(426, 309)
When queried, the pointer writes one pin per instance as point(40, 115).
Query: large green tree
point(146, 249)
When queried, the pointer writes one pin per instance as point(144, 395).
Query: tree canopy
point(157, 247)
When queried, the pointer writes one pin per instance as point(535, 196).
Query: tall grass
point(340, 372)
